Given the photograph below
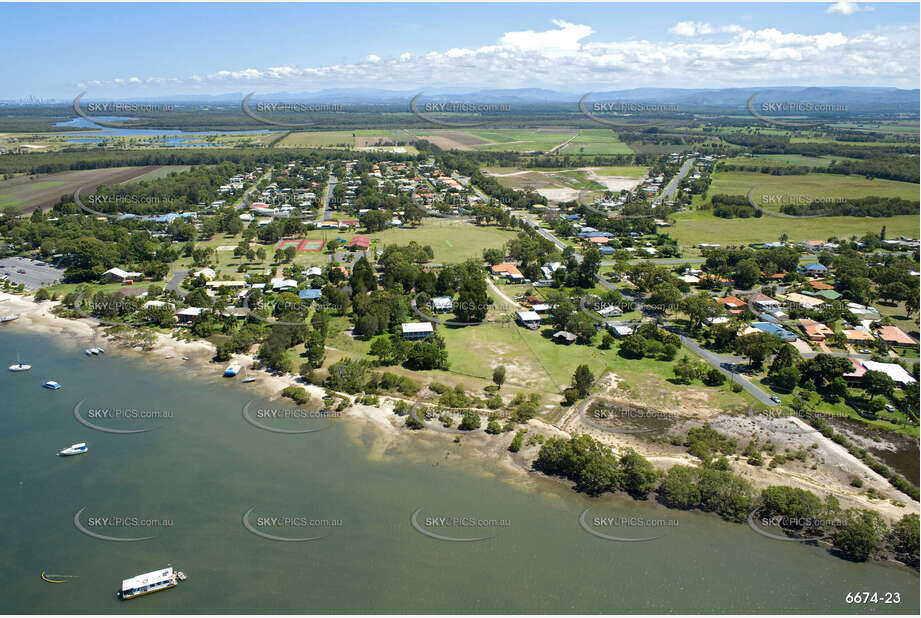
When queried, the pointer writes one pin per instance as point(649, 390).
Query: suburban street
point(324, 213)
point(672, 187)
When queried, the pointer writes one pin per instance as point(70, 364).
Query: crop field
point(596, 141)
point(26, 193)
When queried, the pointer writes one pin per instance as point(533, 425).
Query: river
point(190, 480)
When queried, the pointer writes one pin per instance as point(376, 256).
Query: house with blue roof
point(774, 329)
point(310, 294)
point(814, 269)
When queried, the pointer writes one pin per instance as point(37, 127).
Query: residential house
point(442, 304)
point(564, 337)
point(528, 319)
point(895, 336)
point(815, 331)
point(417, 330)
point(117, 275)
point(772, 329)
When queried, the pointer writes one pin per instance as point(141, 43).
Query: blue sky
point(124, 50)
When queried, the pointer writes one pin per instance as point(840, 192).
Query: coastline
point(195, 356)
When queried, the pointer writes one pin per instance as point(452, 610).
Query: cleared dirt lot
point(45, 190)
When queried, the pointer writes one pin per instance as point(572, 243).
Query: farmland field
point(319, 139)
point(696, 227)
point(596, 141)
point(44, 191)
point(779, 160)
point(812, 185)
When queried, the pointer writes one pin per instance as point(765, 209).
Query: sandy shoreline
point(834, 466)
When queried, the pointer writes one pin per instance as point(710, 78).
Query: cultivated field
point(45, 190)
point(694, 227)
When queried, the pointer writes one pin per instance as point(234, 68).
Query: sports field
point(300, 245)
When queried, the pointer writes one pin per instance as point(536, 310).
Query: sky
point(145, 50)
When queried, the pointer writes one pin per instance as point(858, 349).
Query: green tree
point(861, 535)
point(582, 380)
point(498, 375)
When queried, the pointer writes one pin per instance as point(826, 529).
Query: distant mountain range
point(852, 97)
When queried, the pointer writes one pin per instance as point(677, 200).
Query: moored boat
point(9, 318)
point(52, 385)
point(75, 449)
point(20, 367)
point(154, 581)
point(232, 370)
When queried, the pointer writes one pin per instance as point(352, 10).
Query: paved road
point(36, 275)
point(324, 214)
point(175, 280)
point(672, 185)
point(244, 199)
point(725, 364)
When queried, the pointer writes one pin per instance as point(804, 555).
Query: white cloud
point(563, 58)
point(847, 8)
point(694, 28)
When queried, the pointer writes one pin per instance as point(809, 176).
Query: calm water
point(83, 123)
point(204, 467)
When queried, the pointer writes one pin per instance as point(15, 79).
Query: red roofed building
point(506, 269)
point(820, 285)
point(732, 303)
point(893, 335)
point(359, 242)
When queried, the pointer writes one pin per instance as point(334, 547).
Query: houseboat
point(232, 370)
point(154, 581)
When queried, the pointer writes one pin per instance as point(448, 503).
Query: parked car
point(775, 398)
point(865, 351)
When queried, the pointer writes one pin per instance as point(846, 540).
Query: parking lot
point(37, 273)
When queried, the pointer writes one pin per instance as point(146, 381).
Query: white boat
point(247, 379)
point(88, 351)
point(154, 581)
point(9, 318)
point(75, 449)
point(232, 370)
point(99, 351)
point(20, 367)
point(52, 385)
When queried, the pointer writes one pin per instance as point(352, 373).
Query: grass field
point(626, 171)
point(164, 171)
point(596, 141)
point(319, 139)
point(518, 140)
point(786, 159)
point(46, 190)
point(694, 227)
point(451, 241)
point(811, 185)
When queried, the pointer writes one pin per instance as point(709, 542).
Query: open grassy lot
point(694, 227)
point(451, 240)
point(780, 160)
point(164, 171)
point(518, 140)
point(812, 185)
point(319, 139)
point(596, 141)
point(626, 171)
